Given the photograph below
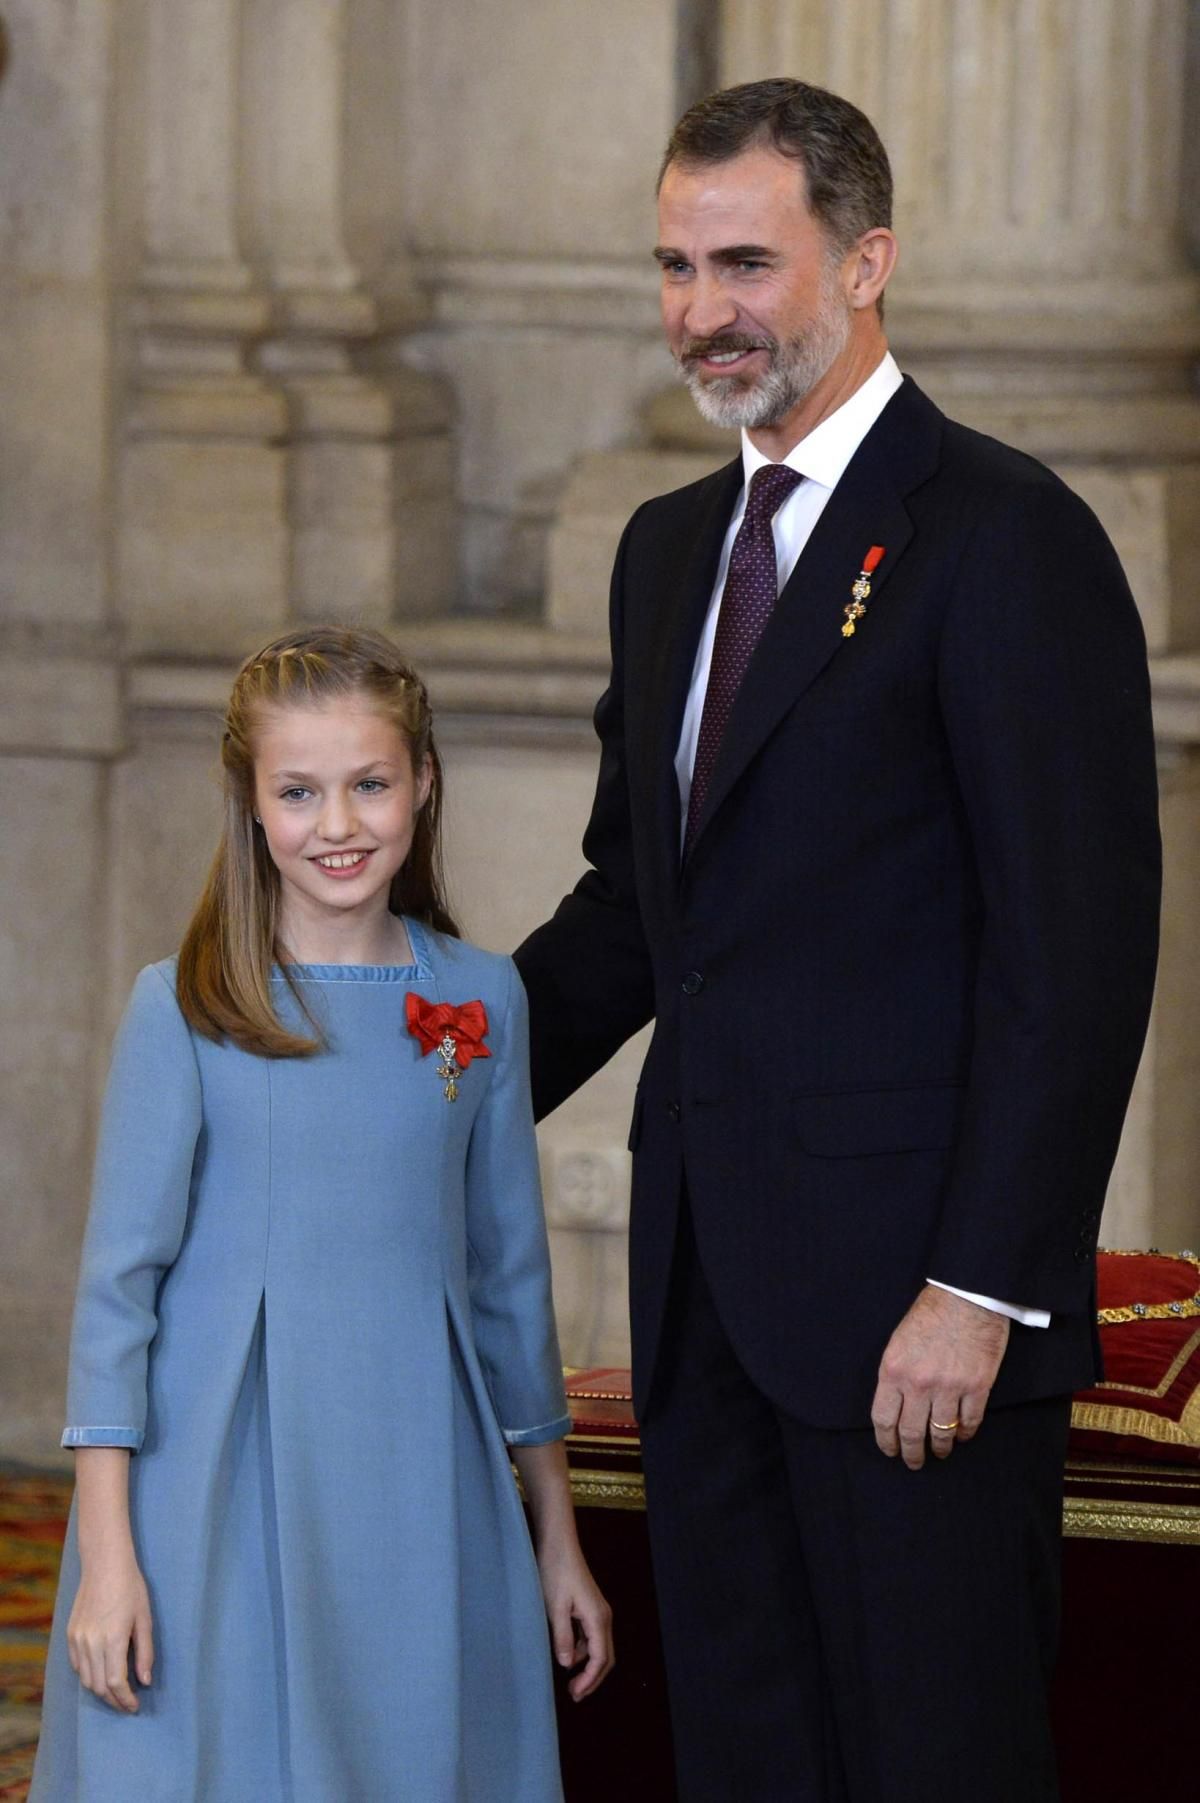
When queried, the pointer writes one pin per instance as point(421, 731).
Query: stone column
point(60, 710)
point(533, 133)
point(369, 472)
point(202, 552)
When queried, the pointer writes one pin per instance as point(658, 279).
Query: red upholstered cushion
point(600, 1401)
point(1148, 1406)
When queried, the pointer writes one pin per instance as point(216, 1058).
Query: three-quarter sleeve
point(512, 1314)
point(147, 1142)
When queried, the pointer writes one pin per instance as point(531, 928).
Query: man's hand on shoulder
point(936, 1375)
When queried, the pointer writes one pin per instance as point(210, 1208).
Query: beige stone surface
point(164, 818)
point(537, 130)
point(60, 704)
point(1021, 136)
point(1173, 1219)
point(203, 554)
point(529, 401)
point(54, 367)
point(1152, 514)
point(53, 137)
point(292, 140)
point(602, 493)
point(186, 202)
point(343, 531)
point(514, 816)
point(51, 991)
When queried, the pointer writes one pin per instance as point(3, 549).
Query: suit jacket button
point(693, 983)
point(673, 1111)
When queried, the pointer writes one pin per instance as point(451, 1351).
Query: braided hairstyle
point(231, 945)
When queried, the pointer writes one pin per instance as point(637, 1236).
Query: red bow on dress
point(466, 1023)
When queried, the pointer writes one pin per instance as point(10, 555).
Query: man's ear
point(869, 266)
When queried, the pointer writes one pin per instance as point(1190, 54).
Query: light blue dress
point(315, 1301)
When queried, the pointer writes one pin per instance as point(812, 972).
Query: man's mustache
point(721, 345)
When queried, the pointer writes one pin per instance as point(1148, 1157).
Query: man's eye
point(752, 263)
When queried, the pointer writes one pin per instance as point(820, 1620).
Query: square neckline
point(418, 970)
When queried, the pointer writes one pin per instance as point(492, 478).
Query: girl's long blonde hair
point(231, 945)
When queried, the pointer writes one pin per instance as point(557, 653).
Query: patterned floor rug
point(33, 1519)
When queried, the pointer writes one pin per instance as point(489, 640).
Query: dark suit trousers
point(837, 1628)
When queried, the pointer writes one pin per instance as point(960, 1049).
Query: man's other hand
point(936, 1375)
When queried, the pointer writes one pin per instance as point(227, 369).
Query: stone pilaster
point(532, 138)
point(369, 476)
point(60, 697)
point(202, 541)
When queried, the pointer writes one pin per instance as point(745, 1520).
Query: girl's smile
point(343, 864)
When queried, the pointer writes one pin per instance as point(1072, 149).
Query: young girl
point(314, 1315)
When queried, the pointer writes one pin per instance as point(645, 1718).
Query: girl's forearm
point(547, 1486)
point(102, 1493)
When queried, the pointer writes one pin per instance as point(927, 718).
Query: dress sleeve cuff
point(128, 1437)
point(537, 1436)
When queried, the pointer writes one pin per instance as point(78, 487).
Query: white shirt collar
point(828, 448)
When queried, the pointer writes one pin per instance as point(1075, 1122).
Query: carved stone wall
point(344, 308)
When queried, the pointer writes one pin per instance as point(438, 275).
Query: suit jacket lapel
point(805, 630)
point(690, 573)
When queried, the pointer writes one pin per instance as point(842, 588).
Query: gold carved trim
point(1104, 1418)
point(1117, 1476)
point(608, 1489)
point(611, 1442)
point(1084, 1518)
point(1099, 1518)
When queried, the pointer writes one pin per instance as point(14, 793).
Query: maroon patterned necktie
point(751, 591)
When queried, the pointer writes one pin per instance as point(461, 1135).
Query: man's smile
point(727, 355)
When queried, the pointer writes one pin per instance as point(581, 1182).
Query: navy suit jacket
point(901, 985)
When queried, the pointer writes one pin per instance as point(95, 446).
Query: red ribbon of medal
point(455, 1030)
point(861, 589)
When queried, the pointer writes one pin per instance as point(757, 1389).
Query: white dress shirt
point(820, 459)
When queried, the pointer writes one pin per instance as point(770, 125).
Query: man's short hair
point(848, 174)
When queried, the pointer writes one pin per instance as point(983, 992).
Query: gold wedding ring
point(944, 1427)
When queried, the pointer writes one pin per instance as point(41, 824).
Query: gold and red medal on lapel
point(455, 1031)
point(861, 590)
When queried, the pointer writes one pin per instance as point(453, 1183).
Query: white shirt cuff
point(1028, 1317)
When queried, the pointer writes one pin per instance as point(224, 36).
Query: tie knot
point(770, 486)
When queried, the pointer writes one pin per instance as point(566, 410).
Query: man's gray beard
point(793, 372)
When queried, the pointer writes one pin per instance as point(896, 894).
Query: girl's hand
point(112, 1608)
point(580, 1619)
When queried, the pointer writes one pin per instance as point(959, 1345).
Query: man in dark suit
point(875, 844)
